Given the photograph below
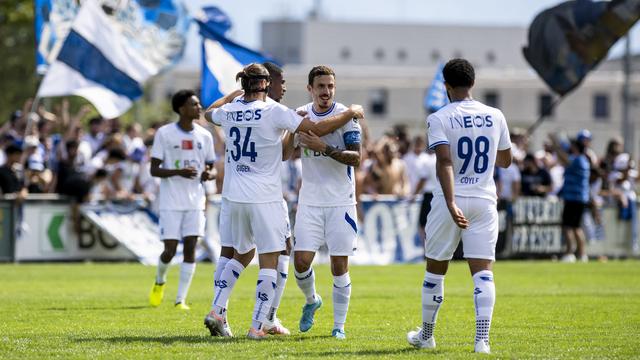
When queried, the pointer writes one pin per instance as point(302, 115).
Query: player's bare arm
point(225, 99)
point(287, 146)
point(444, 171)
point(160, 172)
point(504, 158)
point(349, 156)
point(333, 123)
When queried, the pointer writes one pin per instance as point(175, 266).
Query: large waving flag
point(222, 58)
point(436, 96)
point(113, 48)
point(569, 40)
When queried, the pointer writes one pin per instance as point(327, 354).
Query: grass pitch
point(543, 310)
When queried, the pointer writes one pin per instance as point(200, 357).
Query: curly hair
point(459, 73)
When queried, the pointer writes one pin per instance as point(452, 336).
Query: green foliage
point(17, 62)
point(543, 310)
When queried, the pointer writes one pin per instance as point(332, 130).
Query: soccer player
point(253, 131)
point(182, 156)
point(327, 203)
point(469, 139)
point(273, 325)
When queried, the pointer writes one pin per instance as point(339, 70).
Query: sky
point(247, 15)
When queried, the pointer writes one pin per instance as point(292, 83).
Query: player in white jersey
point(182, 156)
point(327, 203)
point(469, 139)
point(273, 325)
point(253, 130)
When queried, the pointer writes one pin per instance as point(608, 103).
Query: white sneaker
point(415, 338)
point(275, 328)
point(584, 258)
point(482, 348)
point(568, 258)
point(217, 325)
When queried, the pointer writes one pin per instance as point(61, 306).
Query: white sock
point(341, 295)
point(307, 283)
point(161, 273)
point(484, 297)
point(283, 271)
point(432, 298)
point(228, 279)
point(265, 290)
point(222, 262)
point(186, 274)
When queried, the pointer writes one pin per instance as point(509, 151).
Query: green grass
point(543, 310)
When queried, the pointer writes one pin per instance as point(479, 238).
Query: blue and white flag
point(222, 58)
point(53, 19)
point(436, 96)
point(113, 48)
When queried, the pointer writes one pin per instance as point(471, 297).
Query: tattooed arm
point(350, 156)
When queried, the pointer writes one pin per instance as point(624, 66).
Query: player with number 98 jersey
point(474, 132)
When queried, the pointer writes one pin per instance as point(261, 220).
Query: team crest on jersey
point(199, 146)
point(187, 144)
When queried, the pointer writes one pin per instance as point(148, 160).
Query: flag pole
point(543, 117)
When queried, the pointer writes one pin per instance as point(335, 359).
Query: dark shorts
point(424, 209)
point(572, 213)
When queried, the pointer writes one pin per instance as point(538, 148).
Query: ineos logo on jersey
point(247, 115)
point(467, 122)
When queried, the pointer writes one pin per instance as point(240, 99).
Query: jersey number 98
point(466, 150)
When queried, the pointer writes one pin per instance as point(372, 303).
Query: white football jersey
point(179, 149)
point(325, 181)
point(253, 138)
point(474, 133)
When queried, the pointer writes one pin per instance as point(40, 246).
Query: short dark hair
point(95, 120)
point(117, 154)
point(71, 144)
point(272, 68)
point(13, 149)
point(459, 73)
point(178, 99)
point(319, 71)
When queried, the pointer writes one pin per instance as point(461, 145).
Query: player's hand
point(208, 175)
point(358, 111)
point(188, 172)
point(457, 216)
point(302, 113)
point(312, 141)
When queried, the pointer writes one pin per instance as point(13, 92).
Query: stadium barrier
point(41, 229)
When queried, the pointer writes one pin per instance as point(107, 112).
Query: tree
point(18, 78)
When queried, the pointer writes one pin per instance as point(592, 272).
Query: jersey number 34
point(248, 148)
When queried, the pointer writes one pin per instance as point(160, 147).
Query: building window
point(402, 55)
point(545, 102)
point(601, 107)
point(435, 56)
point(491, 57)
point(379, 54)
point(345, 53)
point(492, 98)
point(378, 101)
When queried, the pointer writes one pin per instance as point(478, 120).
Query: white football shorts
point(226, 238)
point(263, 226)
point(334, 226)
point(177, 225)
point(478, 240)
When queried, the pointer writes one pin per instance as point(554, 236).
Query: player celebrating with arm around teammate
point(253, 190)
point(469, 139)
point(182, 156)
point(327, 203)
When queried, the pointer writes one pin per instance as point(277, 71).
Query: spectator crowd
point(53, 152)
